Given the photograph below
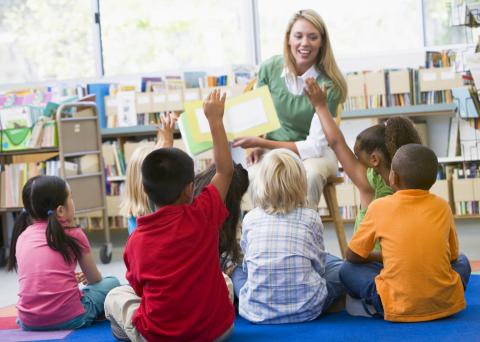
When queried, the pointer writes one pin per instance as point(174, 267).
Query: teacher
point(306, 53)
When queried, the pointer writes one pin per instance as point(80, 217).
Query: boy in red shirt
point(177, 291)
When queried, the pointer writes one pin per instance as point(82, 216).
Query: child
point(287, 275)
point(229, 249)
point(135, 203)
point(369, 166)
point(422, 273)
point(45, 249)
point(177, 289)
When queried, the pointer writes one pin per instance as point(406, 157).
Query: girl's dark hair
point(388, 137)
point(41, 195)
point(238, 186)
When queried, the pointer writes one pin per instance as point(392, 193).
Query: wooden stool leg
point(331, 198)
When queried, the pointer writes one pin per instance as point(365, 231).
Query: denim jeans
point(335, 287)
point(359, 280)
point(92, 301)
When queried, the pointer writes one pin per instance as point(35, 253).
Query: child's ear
point(375, 158)
point(187, 193)
point(393, 180)
point(60, 211)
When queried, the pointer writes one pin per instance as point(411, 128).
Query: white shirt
point(315, 144)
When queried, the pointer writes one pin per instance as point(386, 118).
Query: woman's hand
point(316, 95)
point(255, 156)
point(248, 142)
point(165, 131)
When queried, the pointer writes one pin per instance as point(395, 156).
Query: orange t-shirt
point(419, 241)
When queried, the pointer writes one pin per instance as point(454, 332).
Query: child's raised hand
point(165, 131)
point(214, 106)
point(81, 278)
point(316, 95)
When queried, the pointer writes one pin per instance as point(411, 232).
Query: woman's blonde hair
point(280, 184)
point(135, 202)
point(325, 60)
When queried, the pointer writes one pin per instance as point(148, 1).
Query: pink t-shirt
point(49, 292)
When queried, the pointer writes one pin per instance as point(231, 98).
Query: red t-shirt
point(173, 265)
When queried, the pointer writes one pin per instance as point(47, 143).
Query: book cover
point(249, 114)
point(193, 147)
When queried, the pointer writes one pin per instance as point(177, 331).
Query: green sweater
point(294, 112)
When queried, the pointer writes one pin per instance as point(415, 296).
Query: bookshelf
point(79, 141)
point(440, 109)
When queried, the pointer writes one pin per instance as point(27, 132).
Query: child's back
point(285, 259)
point(285, 264)
point(418, 242)
point(172, 260)
point(178, 291)
point(48, 291)
point(420, 278)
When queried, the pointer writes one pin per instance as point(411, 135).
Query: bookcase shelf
point(447, 109)
point(29, 151)
point(133, 131)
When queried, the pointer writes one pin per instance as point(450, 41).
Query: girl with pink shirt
point(45, 250)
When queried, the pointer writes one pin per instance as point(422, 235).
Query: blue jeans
point(335, 287)
point(359, 280)
point(92, 301)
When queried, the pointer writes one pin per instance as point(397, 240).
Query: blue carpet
point(464, 326)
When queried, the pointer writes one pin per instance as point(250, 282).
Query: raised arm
point(351, 165)
point(213, 108)
point(165, 131)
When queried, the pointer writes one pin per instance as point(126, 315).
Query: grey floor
point(468, 232)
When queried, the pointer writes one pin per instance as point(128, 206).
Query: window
point(355, 27)
point(155, 35)
point(43, 40)
point(437, 25)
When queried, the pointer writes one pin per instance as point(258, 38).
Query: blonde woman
point(286, 275)
point(135, 202)
point(307, 53)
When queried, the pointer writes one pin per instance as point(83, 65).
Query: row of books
point(14, 177)
point(114, 159)
point(466, 188)
point(386, 88)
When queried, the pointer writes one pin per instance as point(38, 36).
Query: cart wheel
point(3, 256)
point(106, 253)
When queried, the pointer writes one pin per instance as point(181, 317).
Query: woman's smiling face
point(305, 42)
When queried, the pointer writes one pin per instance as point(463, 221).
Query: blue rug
point(464, 326)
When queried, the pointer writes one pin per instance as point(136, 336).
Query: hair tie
point(49, 212)
point(24, 211)
point(385, 123)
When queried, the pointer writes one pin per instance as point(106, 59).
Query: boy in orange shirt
point(423, 276)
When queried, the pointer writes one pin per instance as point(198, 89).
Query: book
point(192, 146)
point(100, 90)
point(249, 114)
point(193, 79)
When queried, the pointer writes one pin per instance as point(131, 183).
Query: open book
point(249, 114)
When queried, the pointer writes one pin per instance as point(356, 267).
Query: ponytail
point(21, 223)
point(61, 242)
point(388, 137)
point(399, 131)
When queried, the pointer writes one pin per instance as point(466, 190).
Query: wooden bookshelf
point(133, 131)
point(444, 109)
point(29, 151)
